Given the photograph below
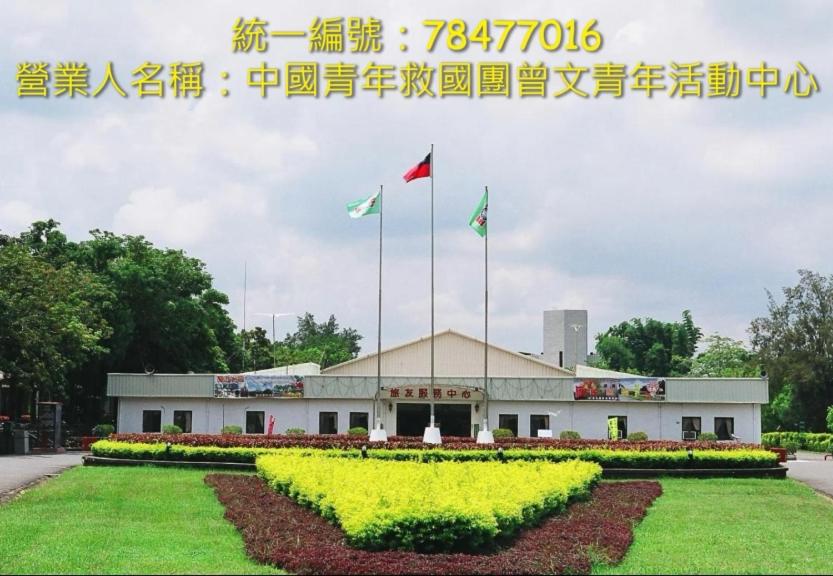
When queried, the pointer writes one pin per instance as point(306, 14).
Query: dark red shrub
point(278, 531)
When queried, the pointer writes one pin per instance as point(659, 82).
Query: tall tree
point(725, 358)
point(795, 345)
point(649, 346)
point(334, 344)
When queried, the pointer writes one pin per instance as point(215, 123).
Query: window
point(538, 422)
point(254, 422)
point(328, 422)
point(691, 427)
point(620, 427)
point(509, 422)
point(151, 421)
point(182, 418)
point(359, 419)
point(724, 428)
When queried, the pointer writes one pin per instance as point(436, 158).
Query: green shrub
point(707, 437)
point(296, 431)
point(502, 433)
point(231, 429)
point(357, 431)
point(103, 430)
point(171, 429)
point(829, 419)
point(607, 458)
point(812, 441)
point(569, 435)
point(792, 446)
point(638, 436)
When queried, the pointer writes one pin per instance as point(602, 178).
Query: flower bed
point(433, 507)
point(277, 531)
point(606, 457)
point(414, 442)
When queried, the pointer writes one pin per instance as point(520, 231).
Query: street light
point(274, 342)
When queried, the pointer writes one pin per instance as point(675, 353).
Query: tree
point(333, 345)
point(649, 346)
point(51, 322)
point(795, 346)
point(725, 358)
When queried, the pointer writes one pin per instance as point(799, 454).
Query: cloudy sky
point(629, 207)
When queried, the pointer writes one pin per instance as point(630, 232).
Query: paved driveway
point(17, 471)
point(812, 469)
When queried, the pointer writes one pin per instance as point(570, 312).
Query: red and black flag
point(421, 170)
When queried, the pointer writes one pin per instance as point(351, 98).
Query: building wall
point(561, 337)
point(455, 355)
point(661, 421)
point(210, 415)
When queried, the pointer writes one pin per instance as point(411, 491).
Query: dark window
point(359, 419)
point(254, 422)
point(509, 422)
point(538, 422)
point(621, 426)
point(561, 358)
point(182, 418)
point(151, 421)
point(691, 427)
point(328, 422)
point(724, 428)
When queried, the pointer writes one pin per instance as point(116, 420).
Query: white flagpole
point(377, 434)
point(432, 434)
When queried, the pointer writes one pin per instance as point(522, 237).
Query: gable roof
point(455, 354)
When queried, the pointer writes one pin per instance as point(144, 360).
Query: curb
point(777, 472)
point(101, 461)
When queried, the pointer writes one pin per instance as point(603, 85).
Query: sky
point(628, 207)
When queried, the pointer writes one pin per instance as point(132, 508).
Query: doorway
point(451, 419)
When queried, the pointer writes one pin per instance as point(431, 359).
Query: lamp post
point(274, 315)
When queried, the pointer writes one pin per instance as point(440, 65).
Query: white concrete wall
point(660, 421)
point(210, 415)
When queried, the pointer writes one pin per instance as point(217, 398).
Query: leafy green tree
point(51, 322)
point(649, 346)
point(725, 358)
point(331, 343)
point(795, 345)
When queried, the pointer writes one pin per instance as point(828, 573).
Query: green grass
point(121, 520)
point(732, 526)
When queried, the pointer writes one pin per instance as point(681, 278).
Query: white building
point(525, 394)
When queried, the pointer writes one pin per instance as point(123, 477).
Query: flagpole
point(245, 278)
point(431, 167)
point(376, 411)
point(486, 318)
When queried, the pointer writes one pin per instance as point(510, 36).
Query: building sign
point(621, 389)
point(440, 393)
point(258, 385)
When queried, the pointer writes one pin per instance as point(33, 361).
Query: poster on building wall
point(636, 389)
point(254, 385)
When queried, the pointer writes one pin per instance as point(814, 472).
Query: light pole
point(274, 315)
point(576, 328)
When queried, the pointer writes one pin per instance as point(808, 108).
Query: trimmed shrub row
point(607, 458)
point(411, 442)
point(812, 441)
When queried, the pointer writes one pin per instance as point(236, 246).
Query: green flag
point(361, 208)
point(477, 222)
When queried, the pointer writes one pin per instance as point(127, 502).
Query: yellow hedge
point(426, 506)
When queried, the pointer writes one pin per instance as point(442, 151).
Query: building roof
point(455, 355)
point(305, 369)
point(583, 371)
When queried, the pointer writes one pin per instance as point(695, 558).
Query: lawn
point(732, 526)
point(121, 520)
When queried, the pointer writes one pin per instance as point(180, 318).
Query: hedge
point(607, 458)
point(812, 441)
point(411, 442)
point(437, 507)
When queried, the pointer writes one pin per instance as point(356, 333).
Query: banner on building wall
point(440, 393)
point(636, 389)
point(257, 385)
